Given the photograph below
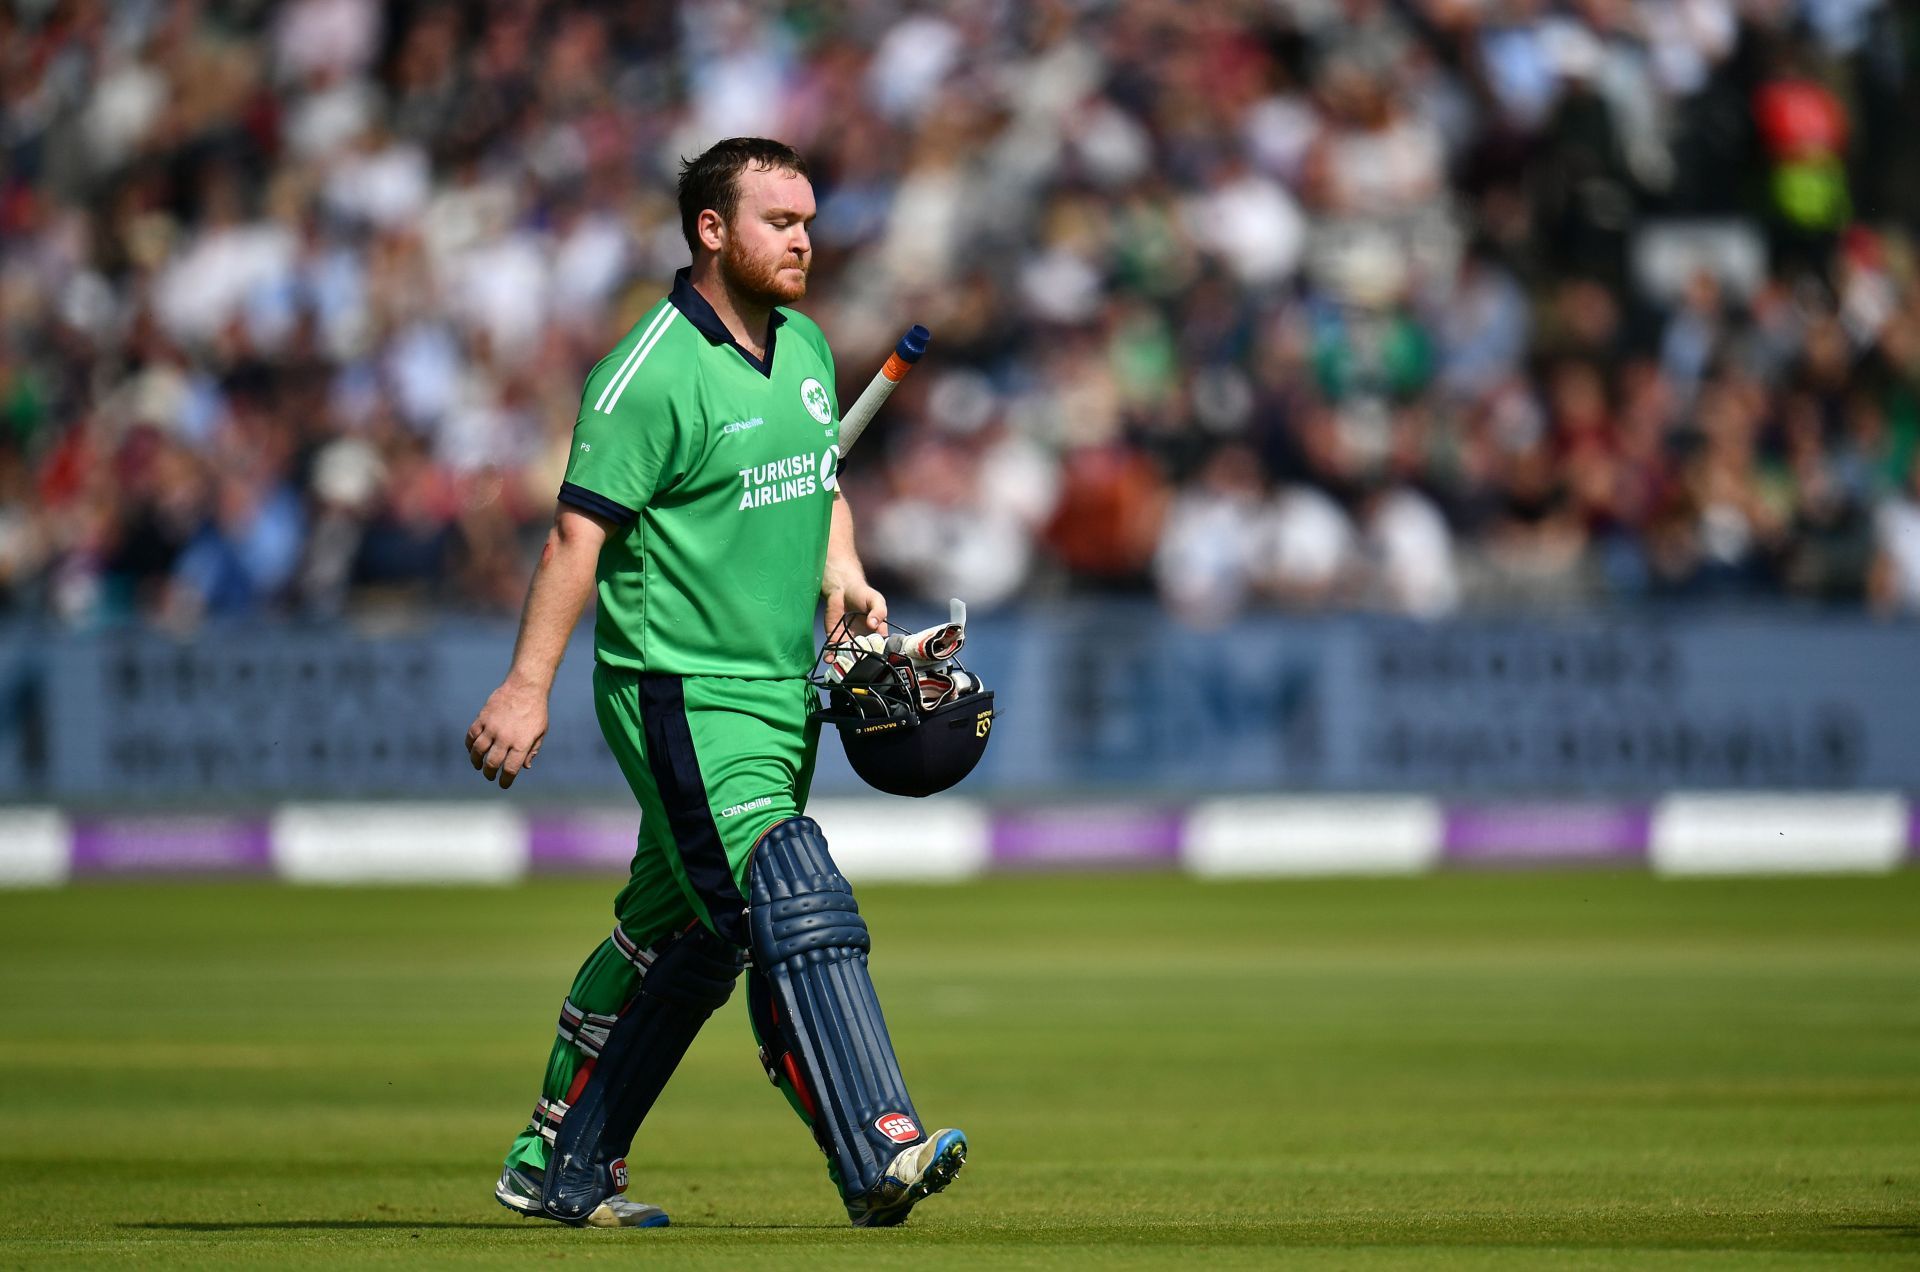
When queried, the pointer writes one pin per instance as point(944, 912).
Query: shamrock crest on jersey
point(813, 395)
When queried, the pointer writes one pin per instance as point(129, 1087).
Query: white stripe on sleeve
point(620, 385)
point(660, 319)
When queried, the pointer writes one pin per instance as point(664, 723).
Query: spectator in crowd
point(1407, 304)
point(1896, 572)
point(1205, 563)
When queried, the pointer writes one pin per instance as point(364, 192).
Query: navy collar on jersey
point(688, 300)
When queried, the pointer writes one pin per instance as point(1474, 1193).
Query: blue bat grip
point(913, 344)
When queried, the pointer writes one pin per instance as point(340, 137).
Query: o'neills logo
point(897, 1127)
point(618, 1169)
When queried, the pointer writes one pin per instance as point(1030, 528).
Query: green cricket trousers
point(714, 762)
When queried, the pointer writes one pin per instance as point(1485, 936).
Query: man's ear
point(711, 230)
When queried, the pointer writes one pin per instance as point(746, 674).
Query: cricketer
point(701, 503)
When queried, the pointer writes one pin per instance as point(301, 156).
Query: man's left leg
point(742, 757)
point(823, 1038)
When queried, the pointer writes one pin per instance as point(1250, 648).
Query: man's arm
point(507, 733)
point(844, 582)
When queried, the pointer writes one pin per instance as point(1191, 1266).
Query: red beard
point(759, 281)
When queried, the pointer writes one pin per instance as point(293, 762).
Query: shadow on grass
point(505, 1225)
point(1344, 1235)
point(345, 1225)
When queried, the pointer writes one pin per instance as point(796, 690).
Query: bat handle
point(899, 362)
point(906, 353)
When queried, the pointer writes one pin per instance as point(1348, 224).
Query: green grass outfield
point(1515, 1071)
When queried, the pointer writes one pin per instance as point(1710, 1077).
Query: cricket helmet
point(912, 719)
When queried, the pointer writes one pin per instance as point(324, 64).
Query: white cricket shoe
point(520, 1188)
point(916, 1173)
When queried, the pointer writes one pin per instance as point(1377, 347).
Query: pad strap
point(630, 950)
point(586, 1030)
point(547, 1115)
point(810, 944)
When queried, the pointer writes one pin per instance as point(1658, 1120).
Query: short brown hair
point(712, 178)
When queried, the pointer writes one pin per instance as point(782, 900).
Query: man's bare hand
point(857, 598)
point(507, 733)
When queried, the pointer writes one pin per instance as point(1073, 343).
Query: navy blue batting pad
point(810, 943)
point(691, 976)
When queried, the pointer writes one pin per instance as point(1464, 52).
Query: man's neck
point(745, 320)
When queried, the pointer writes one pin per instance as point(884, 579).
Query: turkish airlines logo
point(897, 1127)
point(793, 477)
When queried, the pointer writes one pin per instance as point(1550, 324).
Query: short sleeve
point(625, 440)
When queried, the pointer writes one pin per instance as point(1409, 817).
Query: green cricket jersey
point(721, 473)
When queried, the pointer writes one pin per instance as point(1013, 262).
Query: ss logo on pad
point(897, 1127)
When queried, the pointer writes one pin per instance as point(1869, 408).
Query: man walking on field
point(702, 501)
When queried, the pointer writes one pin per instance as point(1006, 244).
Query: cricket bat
point(899, 362)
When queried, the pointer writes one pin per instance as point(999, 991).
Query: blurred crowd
point(1401, 304)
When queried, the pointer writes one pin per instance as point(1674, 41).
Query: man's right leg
point(685, 978)
point(634, 1009)
point(629, 1018)
point(606, 982)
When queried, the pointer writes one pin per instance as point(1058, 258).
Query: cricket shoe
point(916, 1173)
point(520, 1189)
